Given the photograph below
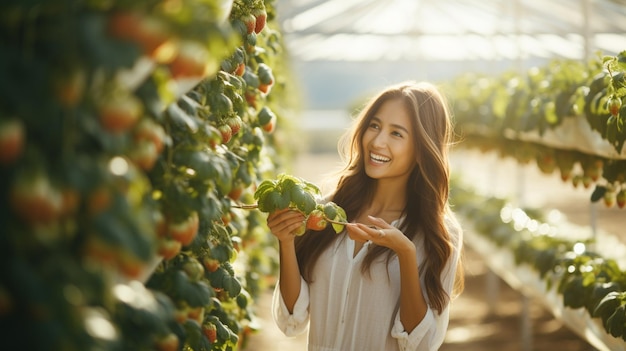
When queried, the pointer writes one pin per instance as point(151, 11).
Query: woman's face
point(388, 150)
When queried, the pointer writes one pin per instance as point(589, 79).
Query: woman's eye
point(398, 134)
point(374, 126)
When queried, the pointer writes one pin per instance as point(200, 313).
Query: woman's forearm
point(289, 275)
point(413, 306)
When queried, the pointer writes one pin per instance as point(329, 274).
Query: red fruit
point(152, 34)
point(98, 201)
point(214, 136)
point(185, 231)
point(35, 200)
point(264, 88)
point(168, 248)
point(144, 154)
point(226, 218)
point(71, 200)
point(234, 123)
point(120, 113)
point(614, 104)
point(621, 198)
point(261, 19)
point(270, 126)
point(609, 198)
point(250, 21)
point(180, 314)
point(227, 133)
point(251, 98)
point(210, 331)
point(235, 192)
point(148, 129)
point(192, 61)
point(69, 87)
point(241, 68)
point(316, 221)
point(97, 249)
point(196, 313)
point(211, 264)
point(124, 25)
point(11, 140)
point(169, 342)
point(130, 265)
point(267, 119)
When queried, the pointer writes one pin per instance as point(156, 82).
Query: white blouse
point(346, 310)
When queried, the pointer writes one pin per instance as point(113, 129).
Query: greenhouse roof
point(451, 30)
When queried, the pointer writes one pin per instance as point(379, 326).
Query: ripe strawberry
point(261, 19)
point(196, 313)
point(148, 129)
point(587, 180)
point(609, 198)
point(214, 136)
point(264, 88)
point(316, 221)
point(130, 265)
point(270, 126)
point(250, 21)
point(168, 248)
point(227, 133)
point(144, 154)
point(35, 200)
point(614, 104)
point(169, 342)
point(240, 69)
point(251, 98)
point(69, 87)
point(210, 331)
point(119, 113)
point(234, 123)
point(186, 230)
point(621, 198)
point(267, 119)
point(211, 264)
point(11, 140)
point(236, 191)
point(192, 61)
point(153, 35)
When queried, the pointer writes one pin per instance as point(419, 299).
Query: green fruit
point(330, 210)
point(301, 230)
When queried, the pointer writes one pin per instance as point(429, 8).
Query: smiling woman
point(386, 281)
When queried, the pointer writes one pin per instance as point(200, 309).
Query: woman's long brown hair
point(427, 188)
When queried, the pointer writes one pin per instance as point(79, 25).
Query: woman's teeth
point(379, 158)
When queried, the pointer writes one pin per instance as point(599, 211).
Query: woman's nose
point(379, 140)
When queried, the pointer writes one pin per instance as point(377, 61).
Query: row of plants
point(583, 278)
point(129, 133)
point(565, 116)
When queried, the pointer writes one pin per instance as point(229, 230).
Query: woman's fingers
point(283, 223)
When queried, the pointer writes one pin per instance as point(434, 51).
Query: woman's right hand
point(284, 223)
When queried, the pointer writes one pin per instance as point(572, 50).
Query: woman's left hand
point(379, 232)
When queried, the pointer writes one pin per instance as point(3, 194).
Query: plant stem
point(246, 206)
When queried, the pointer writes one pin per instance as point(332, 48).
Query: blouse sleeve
point(291, 324)
point(430, 333)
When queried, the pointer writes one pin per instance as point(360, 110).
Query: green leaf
point(598, 193)
point(267, 185)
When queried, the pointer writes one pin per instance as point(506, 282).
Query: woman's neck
point(389, 198)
